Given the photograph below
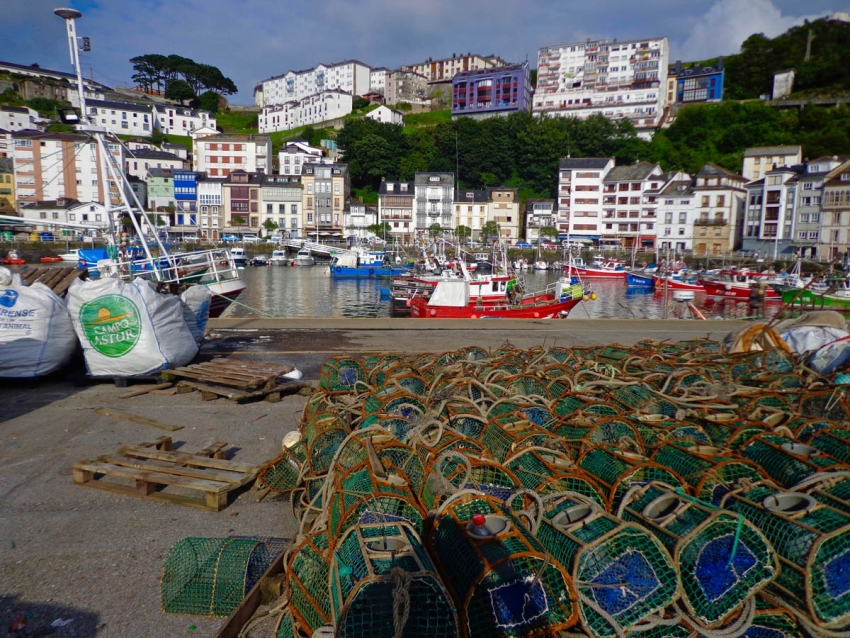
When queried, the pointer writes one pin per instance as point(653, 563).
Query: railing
point(195, 267)
point(709, 222)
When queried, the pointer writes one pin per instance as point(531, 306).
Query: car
point(276, 238)
point(190, 238)
point(230, 238)
point(251, 238)
point(522, 245)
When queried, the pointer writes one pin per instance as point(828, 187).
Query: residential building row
point(351, 76)
point(328, 105)
point(142, 119)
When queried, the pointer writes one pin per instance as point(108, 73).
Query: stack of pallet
point(57, 279)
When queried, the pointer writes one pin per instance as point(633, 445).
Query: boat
point(259, 260)
point(239, 256)
point(601, 269)
point(362, 264)
point(304, 258)
point(673, 283)
point(13, 258)
point(541, 265)
point(50, 260)
point(639, 280)
point(456, 299)
point(71, 255)
point(741, 285)
point(488, 288)
point(836, 295)
point(279, 258)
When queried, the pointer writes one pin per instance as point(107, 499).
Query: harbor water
point(309, 291)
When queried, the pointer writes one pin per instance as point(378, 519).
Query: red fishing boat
point(600, 269)
point(677, 284)
point(741, 285)
point(50, 260)
point(12, 258)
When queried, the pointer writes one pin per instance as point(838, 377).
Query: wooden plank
point(170, 375)
point(188, 459)
point(228, 393)
point(75, 273)
point(217, 450)
point(31, 274)
point(164, 467)
point(52, 277)
point(254, 367)
point(140, 391)
point(151, 476)
point(134, 418)
point(165, 393)
point(287, 387)
point(249, 605)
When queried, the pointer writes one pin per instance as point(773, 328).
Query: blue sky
point(250, 40)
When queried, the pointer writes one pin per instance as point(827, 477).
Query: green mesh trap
point(343, 374)
point(308, 582)
point(786, 461)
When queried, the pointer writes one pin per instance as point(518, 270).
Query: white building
point(295, 154)
point(137, 162)
point(629, 205)
point(406, 86)
point(282, 202)
point(770, 212)
point(675, 213)
point(20, 118)
point(579, 201)
point(219, 155)
point(610, 78)
point(761, 159)
point(471, 210)
point(210, 207)
point(65, 211)
point(378, 80)
point(121, 118)
point(434, 195)
point(445, 69)
point(358, 217)
point(313, 109)
point(351, 76)
point(387, 115)
point(179, 120)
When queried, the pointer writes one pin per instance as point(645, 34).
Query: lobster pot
point(805, 429)
point(323, 434)
point(723, 560)
point(343, 374)
point(829, 488)
point(399, 404)
point(812, 541)
point(398, 458)
point(362, 497)
point(606, 430)
point(307, 581)
point(500, 438)
point(536, 467)
point(211, 576)
point(616, 471)
point(568, 404)
point(785, 461)
point(617, 567)
point(835, 442)
point(285, 626)
point(381, 578)
point(501, 578)
point(708, 471)
point(528, 386)
point(283, 473)
point(653, 434)
point(453, 471)
point(720, 427)
point(636, 398)
point(824, 404)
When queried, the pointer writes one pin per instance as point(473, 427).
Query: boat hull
point(365, 272)
point(675, 284)
point(546, 310)
point(50, 260)
point(811, 299)
point(741, 292)
point(598, 273)
point(639, 281)
point(223, 294)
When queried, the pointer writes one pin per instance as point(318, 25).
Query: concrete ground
point(95, 558)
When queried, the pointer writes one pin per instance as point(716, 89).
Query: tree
point(179, 90)
point(435, 230)
point(359, 103)
point(380, 230)
point(549, 231)
point(156, 70)
point(463, 232)
point(208, 101)
point(238, 220)
point(270, 226)
point(490, 230)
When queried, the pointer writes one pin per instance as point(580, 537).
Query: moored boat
point(305, 258)
point(279, 258)
point(607, 269)
point(239, 256)
point(639, 280)
point(836, 295)
point(742, 285)
point(50, 260)
point(71, 255)
point(361, 264)
point(673, 283)
point(13, 258)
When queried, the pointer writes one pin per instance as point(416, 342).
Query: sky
point(251, 40)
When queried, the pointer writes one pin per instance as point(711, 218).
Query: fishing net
point(307, 582)
point(343, 374)
point(786, 461)
point(211, 576)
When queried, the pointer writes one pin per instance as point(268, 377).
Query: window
point(683, 218)
point(681, 231)
point(721, 201)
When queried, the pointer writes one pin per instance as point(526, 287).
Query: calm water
point(308, 291)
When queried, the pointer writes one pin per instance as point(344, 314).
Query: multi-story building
point(503, 208)
point(121, 118)
point(20, 118)
point(761, 159)
point(137, 162)
point(675, 212)
point(580, 196)
point(718, 196)
point(434, 195)
point(358, 218)
point(471, 210)
point(65, 210)
point(695, 83)
point(489, 92)
point(630, 204)
point(447, 68)
point(282, 201)
point(180, 120)
point(138, 188)
point(7, 184)
point(326, 192)
point(6, 143)
point(539, 213)
point(615, 79)
point(52, 166)
point(240, 195)
point(809, 209)
point(771, 204)
point(386, 115)
point(160, 183)
point(295, 154)
point(406, 86)
point(834, 238)
point(219, 155)
point(176, 149)
point(186, 200)
point(395, 207)
point(210, 206)
point(351, 76)
point(311, 109)
point(378, 80)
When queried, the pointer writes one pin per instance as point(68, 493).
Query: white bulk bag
point(128, 328)
point(36, 335)
point(196, 310)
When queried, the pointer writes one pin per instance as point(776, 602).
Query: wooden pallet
point(57, 279)
point(241, 374)
point(210, 392)
point(155, 467)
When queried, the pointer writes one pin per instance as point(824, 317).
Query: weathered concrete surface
point(73, 552)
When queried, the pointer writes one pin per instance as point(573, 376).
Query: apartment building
point(160, 183)
point(358, 218)
point(771, 206)
point(580, 196)
point(630, 203)
point(64, 210)
point(610, 78)
point(694, 83)
point(675, 213)
point(447, 68)
point(350, 76)
point(434, 194)
point(20, 118)
point(718, 196)
point(378, 80)
point(312, 109)
point(498, 91)
point(834, 237)
point(6, 143)
point(137, 162)
point(809, 210)
point(240, 199)
point(539, 213)
point(471, 210)
point(219, 155)
point(406, 86)
point(326, 192)
point(386, 115)
point(395, 207)
point(180, 120)
point(186, 199)
point(210, 206)
point(503, 208)
point(121, 118)
point(7, 184)
point(759, 160)
point(51, 166)
point(282, 202)
point(295, 154)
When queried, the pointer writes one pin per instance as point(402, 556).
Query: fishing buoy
point(407, 303)
point(537, 315)
point(475, 316)
point(593, 296)
point(433, 313)
point(585, 298)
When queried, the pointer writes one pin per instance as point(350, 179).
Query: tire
point(339, 269)
point(371, 271)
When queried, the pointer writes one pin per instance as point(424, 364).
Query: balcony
point(703, 221)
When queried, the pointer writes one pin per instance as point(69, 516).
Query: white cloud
point(722, 29)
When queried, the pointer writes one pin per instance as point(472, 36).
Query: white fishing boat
point(541, 265)
point(305, 258)
point(279, 258)
point(238, 255)
point(72, 255)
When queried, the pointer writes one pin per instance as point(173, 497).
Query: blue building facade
point(698, 84)
point(498, 91)
point(186, 198)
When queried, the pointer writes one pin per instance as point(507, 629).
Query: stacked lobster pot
point(649, 490)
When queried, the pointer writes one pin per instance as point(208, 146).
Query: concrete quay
point(95, 557)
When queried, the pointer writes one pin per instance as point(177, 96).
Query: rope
point(401, 599)
point(741, 625)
